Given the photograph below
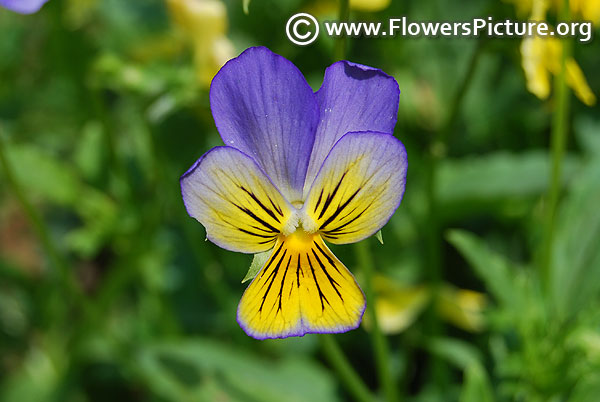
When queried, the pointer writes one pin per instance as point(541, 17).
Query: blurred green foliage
point(108, 290)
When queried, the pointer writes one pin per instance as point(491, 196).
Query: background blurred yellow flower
point(204, 24)
point(540, 56)
point(462, 307)
point(329, 9)
point(588, 10)
point(79, 12)
point(398, 305)
point(369, 5)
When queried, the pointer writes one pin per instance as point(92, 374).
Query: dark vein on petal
point(332, 281)
point(255, 234)
point(321, 295)
point(277, 208)
point(262, 229)
point(331, 195)
point(271, 260)
point(337, 229)
point(297, 278)
point(256, 218)
point(275, 270)
point(283, 282)
point(298, 272)
point(340, 209)
point(319, 201)
point(329, 259)
point(255, 198)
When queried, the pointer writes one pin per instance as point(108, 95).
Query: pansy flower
point(298, 168)
point(23, 6)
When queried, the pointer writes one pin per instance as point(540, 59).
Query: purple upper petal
point(353, 97)
point(23, 6)
point(263, 106)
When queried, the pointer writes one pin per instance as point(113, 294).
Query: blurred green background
point(487, 285)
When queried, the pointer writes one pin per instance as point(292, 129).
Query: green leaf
point(466, 357)
point(575, 269)
point(37, 378)
point(43, 175)
point(458, 353)
point(492, 268)
point(586, 130)
point(586, 390)
point(89, 155)
point(46, 177)
point(100, 216)
point(200, 369)
point(379, 236)
point(498, 175)
point(476, 385)
point(258, 261)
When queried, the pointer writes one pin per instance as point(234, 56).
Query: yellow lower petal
point(303, 288)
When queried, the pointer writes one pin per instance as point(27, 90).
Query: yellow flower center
point(299, 240)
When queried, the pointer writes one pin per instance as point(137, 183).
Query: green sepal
point(259, 260)
point(379, 236)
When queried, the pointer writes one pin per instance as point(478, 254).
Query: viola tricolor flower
point(298, 168)
point(23, 6)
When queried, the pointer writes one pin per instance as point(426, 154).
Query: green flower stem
point(380, 344)
point(354, 384)
point(344, 15)
point(433, 236)
point(101, 113)
point(558, 144)
point(432, 264)
point(461, 91)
